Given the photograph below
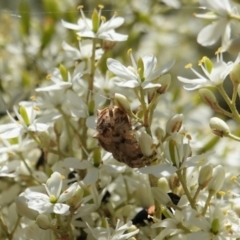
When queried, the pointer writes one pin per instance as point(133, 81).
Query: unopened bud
point(122, 102)
point(161, 196)
point(217, 179)
point(108, 45)
point(219, 127)
point(159, 133)
point(165, 82)
point(205, 176)
point(163, 184)
point(235, 73)
point(43, 221)
point(208, 97)
point(44, 139)
point(76, 199)
point(58, 126)
point(174, 124)
point(146, 144)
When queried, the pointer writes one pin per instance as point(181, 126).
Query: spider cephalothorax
point(115, 135)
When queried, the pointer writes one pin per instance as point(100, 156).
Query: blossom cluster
point(102, 149)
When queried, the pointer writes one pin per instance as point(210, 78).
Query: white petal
point(210, 34)
point(77, 163)
point(113, 23)
point(113, 36)
point(68, 193)
point(193, 81)
point(149, 62)
point(92, 176)
point(128, 83)
point(71, 25)
point(38, 127)
point(147, 85)
point(11, 130)
point(54, 184)
point(120, 70)
point(160, 170)
point(60, 208)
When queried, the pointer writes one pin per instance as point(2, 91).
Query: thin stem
point(229, 102)
point(196, 193)
point(210, 195)
point(184, 186)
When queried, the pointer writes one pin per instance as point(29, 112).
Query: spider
point(116, 135)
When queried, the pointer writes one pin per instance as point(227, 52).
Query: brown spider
point(115, 135)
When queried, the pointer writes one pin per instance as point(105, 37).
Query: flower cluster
point(105, 147)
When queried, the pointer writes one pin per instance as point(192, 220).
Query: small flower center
point(53, 199)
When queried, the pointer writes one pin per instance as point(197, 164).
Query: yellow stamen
point(80, 7)
point(218, 51)
point(233, 178)
point(33, 98)
point(103, 19)
point(36, 108)
point(222, 193)
point(49, 76)
point(100, 6)
point(188, 66)
point(129, 52)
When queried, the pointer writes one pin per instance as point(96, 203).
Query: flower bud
point(58, 126)
point(163, 184)
point(165, 82)
point(205, 176)
point(217, 179)
point(174, 124)
point(76, 198)
point(122, 102)
point(161, 196)
point(43, 221)
point(208, 97)
point(44, 139)
point(219, 127)
point(146, 144)
point(108, 45)
point(159, 133)
point(235, 73)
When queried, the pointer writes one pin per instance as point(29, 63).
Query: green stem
point(210, 195)
point(92, 73)
point(184, 186)
point(230, 135)
point(196, 193)
point(229, 102)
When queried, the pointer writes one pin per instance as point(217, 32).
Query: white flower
point(54, 200)
point(92, 171)
point(215, 73)
point(26, 122)
point(8, 169)
point(98, 27)
point(142, 73)
point(220, 11)
point(84, 52)
point(109, 234)
point(177, 155)
point(215, 226)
